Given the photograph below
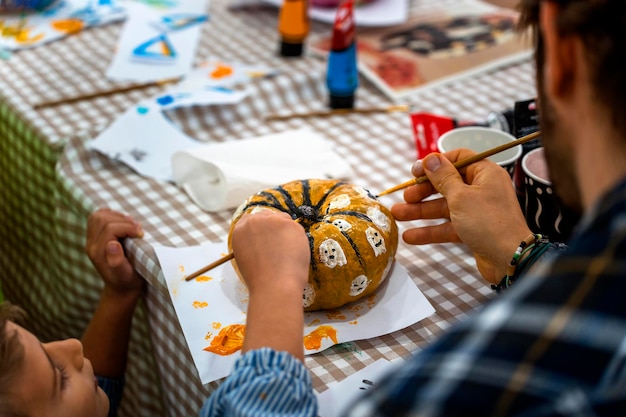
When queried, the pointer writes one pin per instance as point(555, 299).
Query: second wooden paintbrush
point(465, 162)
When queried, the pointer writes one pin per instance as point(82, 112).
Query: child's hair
point(11, 358)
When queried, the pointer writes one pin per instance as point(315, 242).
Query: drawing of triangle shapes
point(157, 50)
point(179, 21)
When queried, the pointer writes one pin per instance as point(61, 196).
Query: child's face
point(56, 379)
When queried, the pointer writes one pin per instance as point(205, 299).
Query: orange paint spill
point(371, 301)
point(221, 71)
point(203, 278)
point(313, 340)
point(335, 315)
point(216, 325)
point(68, 25)
point(355, 308)
point(228, 341)
point(200, 304)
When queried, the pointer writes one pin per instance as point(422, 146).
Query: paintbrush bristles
point(465, 162)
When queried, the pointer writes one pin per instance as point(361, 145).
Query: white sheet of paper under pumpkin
point(356, 290)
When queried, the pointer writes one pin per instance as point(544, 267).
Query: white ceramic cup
point(480, 139)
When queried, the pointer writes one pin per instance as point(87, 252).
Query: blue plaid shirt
point(553, 345)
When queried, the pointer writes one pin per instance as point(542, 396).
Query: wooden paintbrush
point(326, 113)
point(103, 93)
point(217, 263)
point(210, 266)
point(465, 162)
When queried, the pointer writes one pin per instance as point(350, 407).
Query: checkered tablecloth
point(51, 181)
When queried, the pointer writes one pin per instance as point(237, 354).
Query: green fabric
point(43, 220)
point(27, 209)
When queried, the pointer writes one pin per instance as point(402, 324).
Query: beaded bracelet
point(530, 244)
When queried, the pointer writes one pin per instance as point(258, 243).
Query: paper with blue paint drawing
point(158, 43)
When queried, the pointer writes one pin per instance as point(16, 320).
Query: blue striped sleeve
point(113, 388)
point(264, 382)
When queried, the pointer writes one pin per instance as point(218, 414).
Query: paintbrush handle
point(210, 266)
point(467, 161)
point(325, 113)
point(102, 93)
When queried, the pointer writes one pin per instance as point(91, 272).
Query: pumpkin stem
point(308, 214)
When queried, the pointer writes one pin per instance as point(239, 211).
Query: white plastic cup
point(480, 139)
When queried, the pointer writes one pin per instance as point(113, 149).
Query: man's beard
point(559, 157)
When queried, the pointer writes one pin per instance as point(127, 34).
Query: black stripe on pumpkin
point(265, 204)
point(356, 250)
point(288, 200)
point(370, 195)
point(352, 213)
point(306, 193)
point(328, 192)
point(271, 197)
point(313, 259)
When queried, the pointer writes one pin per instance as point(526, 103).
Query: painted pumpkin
point(353, 237)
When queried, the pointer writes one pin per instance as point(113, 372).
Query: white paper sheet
point(398, 303)
point(144, 23)
point(145, 140)
point(339, 396)
point(57, 21)
point(377, 13)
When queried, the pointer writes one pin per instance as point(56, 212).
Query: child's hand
point(105, 229)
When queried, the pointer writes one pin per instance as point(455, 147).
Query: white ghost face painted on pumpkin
point(362, 192)
point(358, 285)
point(376, 241)
point(342, 225)
point(240, 209)
point(339, 202)
point(379, 218)
point(308, 296)
point(331, 254)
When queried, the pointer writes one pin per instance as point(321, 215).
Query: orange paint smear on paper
point(228, 341)
point(68, 25)
point(221, 71)
point(216, 325)
point(208, 336)
point(313, 340)
point(371, 301)
point(200, 304)
point(19, 33)
point(353, 322)
point(355, 308)
point(316, 321)
point(335, 315)
point(203, 278)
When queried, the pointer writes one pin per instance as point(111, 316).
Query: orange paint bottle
point(293, 27)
